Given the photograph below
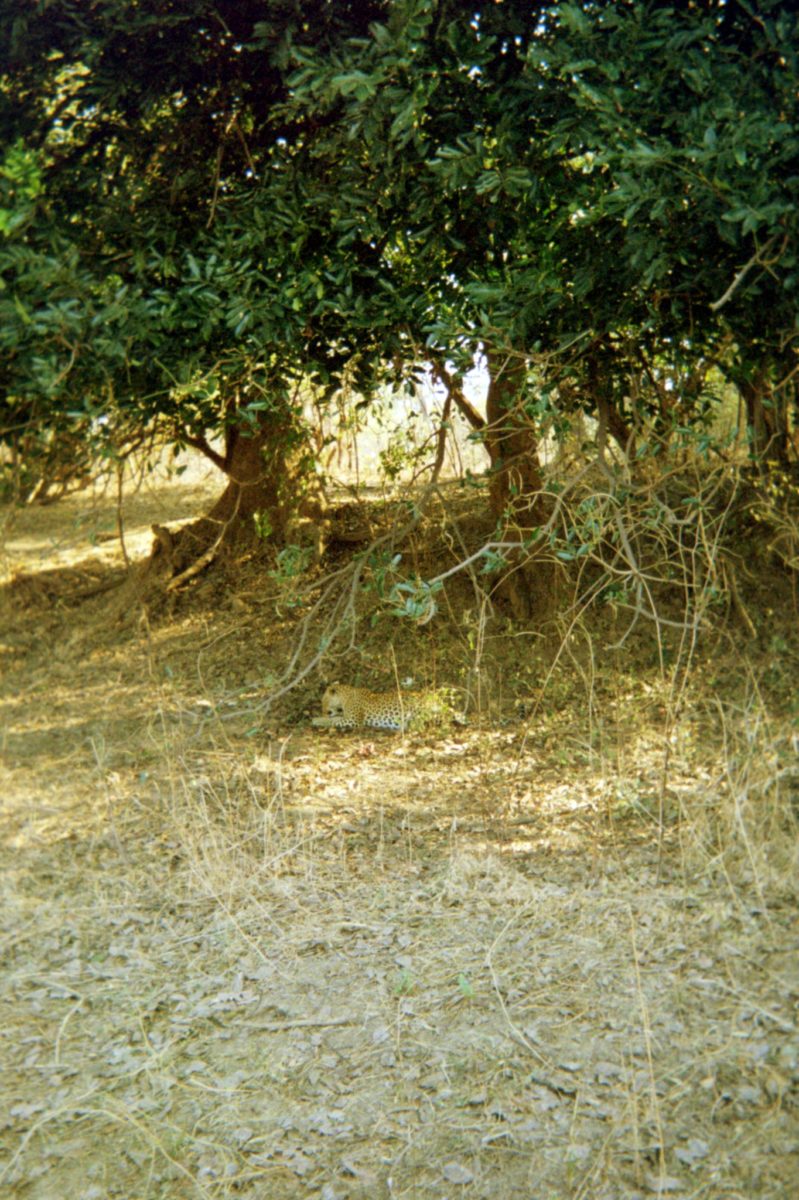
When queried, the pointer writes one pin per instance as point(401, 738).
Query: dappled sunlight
point(208, 898)
point(86, 526)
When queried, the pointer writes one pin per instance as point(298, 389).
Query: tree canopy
point(204, 204)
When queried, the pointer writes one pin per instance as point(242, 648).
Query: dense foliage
point(204, 204)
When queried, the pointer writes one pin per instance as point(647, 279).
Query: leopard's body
point(345, 707)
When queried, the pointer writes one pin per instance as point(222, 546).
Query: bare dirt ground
point(554, 953)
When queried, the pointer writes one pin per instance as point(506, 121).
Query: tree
point(571, 190)
point(255, 197)
point(686, 120)
point(149, 128)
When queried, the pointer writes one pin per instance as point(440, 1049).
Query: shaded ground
point(241, 958)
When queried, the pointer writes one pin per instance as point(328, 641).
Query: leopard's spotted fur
point(346, 707)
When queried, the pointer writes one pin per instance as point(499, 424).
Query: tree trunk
point(516, 490)
point(512, 445)
point(260, 477)
point(600, 391)
point(768, 419)
point(272, 492)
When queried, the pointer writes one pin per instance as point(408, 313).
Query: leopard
point(345, 707)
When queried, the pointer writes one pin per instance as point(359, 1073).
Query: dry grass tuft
point(744, 823)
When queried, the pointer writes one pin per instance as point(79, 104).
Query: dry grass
point(546, 955)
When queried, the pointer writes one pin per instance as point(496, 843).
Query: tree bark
point(512, 445)
point(767, 416)
point(270, 476)
point(516, 488)
point(600, 391)
point(256, 466)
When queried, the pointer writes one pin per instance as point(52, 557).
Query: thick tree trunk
point(512, 445)
point(516, 489)
point(259, 481)
point(272, 493)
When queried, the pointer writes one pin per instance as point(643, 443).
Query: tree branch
point(455, 392)
point(757, 259)
point(200, 443)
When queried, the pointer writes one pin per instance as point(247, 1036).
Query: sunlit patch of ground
point(242, 958)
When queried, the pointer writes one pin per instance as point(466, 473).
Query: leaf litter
point(363, 967)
